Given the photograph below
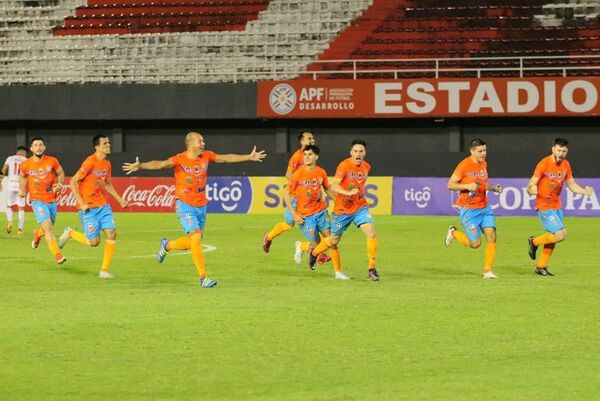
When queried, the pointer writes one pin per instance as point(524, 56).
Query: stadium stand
point(492, 35)
point(191, 41)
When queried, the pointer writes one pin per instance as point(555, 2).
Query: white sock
point(9, 214)
point(21, 219)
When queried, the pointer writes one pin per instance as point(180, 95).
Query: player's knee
point(475, 244)
point(333, 241)
point(561, 235)
point(94, 242)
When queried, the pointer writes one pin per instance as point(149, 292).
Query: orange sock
point(79, 237)
point(545, 256)
point(461, 237)
point(197, 255)
point(179, 244)
point(322, 247)
point(547, 238)
point(38, 233)
point(109, 251)
point(305, 246)
point(372, 246)
point(53, 246)
point(336, 259)
point(279, 229)
point(490, 255)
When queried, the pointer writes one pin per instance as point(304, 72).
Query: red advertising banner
point(469, 97)
point(143, 194)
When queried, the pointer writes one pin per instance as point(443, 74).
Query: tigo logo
point(229, 194)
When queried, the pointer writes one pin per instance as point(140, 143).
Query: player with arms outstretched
point(191, 168)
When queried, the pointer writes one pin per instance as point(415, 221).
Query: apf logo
point(282, 99)
point(419, 197)
point(229, 194)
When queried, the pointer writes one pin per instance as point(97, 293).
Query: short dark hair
point(476, 142)
point(301, 134)
point(358, 142)
point(314, 148)
point(561, 142)
point(22, 148)
point(37, 138)
point(96, 140)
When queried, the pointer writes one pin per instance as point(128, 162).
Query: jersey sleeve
point(569, 174)
point(459, 171)
point(23, 170)
point(210, 156)
point(174, 160)
point(56, 165)
point(340, 171)
point(85, 168)
point(326, 184)
point(539, 169)
point(292, 163)
point(293, 184)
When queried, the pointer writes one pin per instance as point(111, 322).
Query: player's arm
point(253, 156)
point(288, 202)
point(74, 184)
point(337, 188)
point(455, 185)
point(151, 165)
point(3, 173)
point(532, 185)
point(495, 188)
point(22, 185)
point(578, 189)
point(113, 192)
point(60, 179)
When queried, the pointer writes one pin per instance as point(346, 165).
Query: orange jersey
point(41, 175)
point(351, 176)
point(305, 186)
point(93, 174)
point(190, 177)
point(551, 176)
point(295, 162)
point(470, 171)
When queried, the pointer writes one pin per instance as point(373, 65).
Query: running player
point(351, 176)
point(311, 209)
point(546, 184)
point(305, 138)
point(11, 171)
point(43, 177)
point(470, 178)
point(191, 169)
point(88, 186)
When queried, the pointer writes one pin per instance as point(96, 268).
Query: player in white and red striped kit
point(11, 171)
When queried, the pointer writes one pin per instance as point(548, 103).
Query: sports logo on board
point(282, 99)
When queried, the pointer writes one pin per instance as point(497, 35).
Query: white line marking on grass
point(205, 248)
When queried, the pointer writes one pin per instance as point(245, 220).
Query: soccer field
point(431, 329)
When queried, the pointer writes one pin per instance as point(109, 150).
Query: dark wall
point(150, 121)
point(394, 147)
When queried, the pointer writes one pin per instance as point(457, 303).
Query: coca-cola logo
point(157, 196)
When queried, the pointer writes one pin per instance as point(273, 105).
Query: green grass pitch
point(271, 330)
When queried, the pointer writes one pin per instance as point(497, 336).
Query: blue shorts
point(95, 220)
point(314, 224)
point(287, 215)
point(192, 218)
point(475, 220)
point(44, 211)
point(340, 222)
point(552, 220)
